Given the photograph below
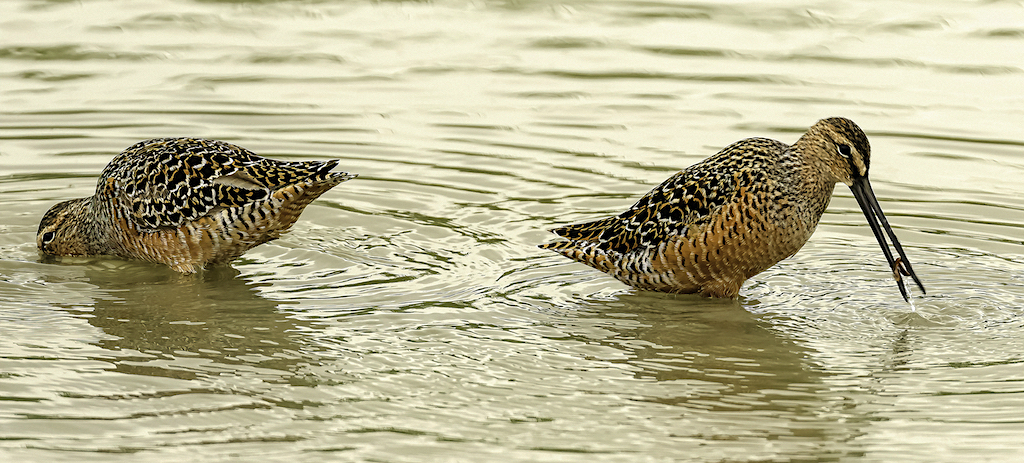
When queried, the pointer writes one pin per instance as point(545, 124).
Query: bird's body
point(713, 225)
point(187, 203)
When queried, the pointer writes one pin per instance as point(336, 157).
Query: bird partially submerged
point(185, 202)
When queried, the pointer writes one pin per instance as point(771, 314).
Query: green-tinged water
point(409, 316)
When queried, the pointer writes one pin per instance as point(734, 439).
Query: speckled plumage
point(185, 202)
point(713, 225)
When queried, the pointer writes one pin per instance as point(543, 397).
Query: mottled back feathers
point(169, 181)
point(690, 197)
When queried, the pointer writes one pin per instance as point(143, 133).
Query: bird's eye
point(844, 151)
point(47, 239)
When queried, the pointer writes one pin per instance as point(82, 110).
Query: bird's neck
point(813, 179)
point(89, 226)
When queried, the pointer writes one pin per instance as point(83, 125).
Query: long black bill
point(876, 219)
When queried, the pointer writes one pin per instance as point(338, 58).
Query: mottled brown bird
point(185, 202)
point(710, 227)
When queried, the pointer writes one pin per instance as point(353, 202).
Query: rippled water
point(409, 316)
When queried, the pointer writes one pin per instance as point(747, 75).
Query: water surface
point(409, 315)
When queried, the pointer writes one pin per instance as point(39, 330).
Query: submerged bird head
point(59, 233)
point(841, 146)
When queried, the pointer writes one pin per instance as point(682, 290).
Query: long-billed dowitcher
point(710, 227)
point(185, 202)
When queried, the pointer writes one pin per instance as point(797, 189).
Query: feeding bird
point(715, 224)
point(185, 202)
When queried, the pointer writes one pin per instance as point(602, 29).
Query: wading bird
point(185, 202)
point(710, 227)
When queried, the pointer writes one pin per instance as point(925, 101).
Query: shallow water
point(409, 315)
